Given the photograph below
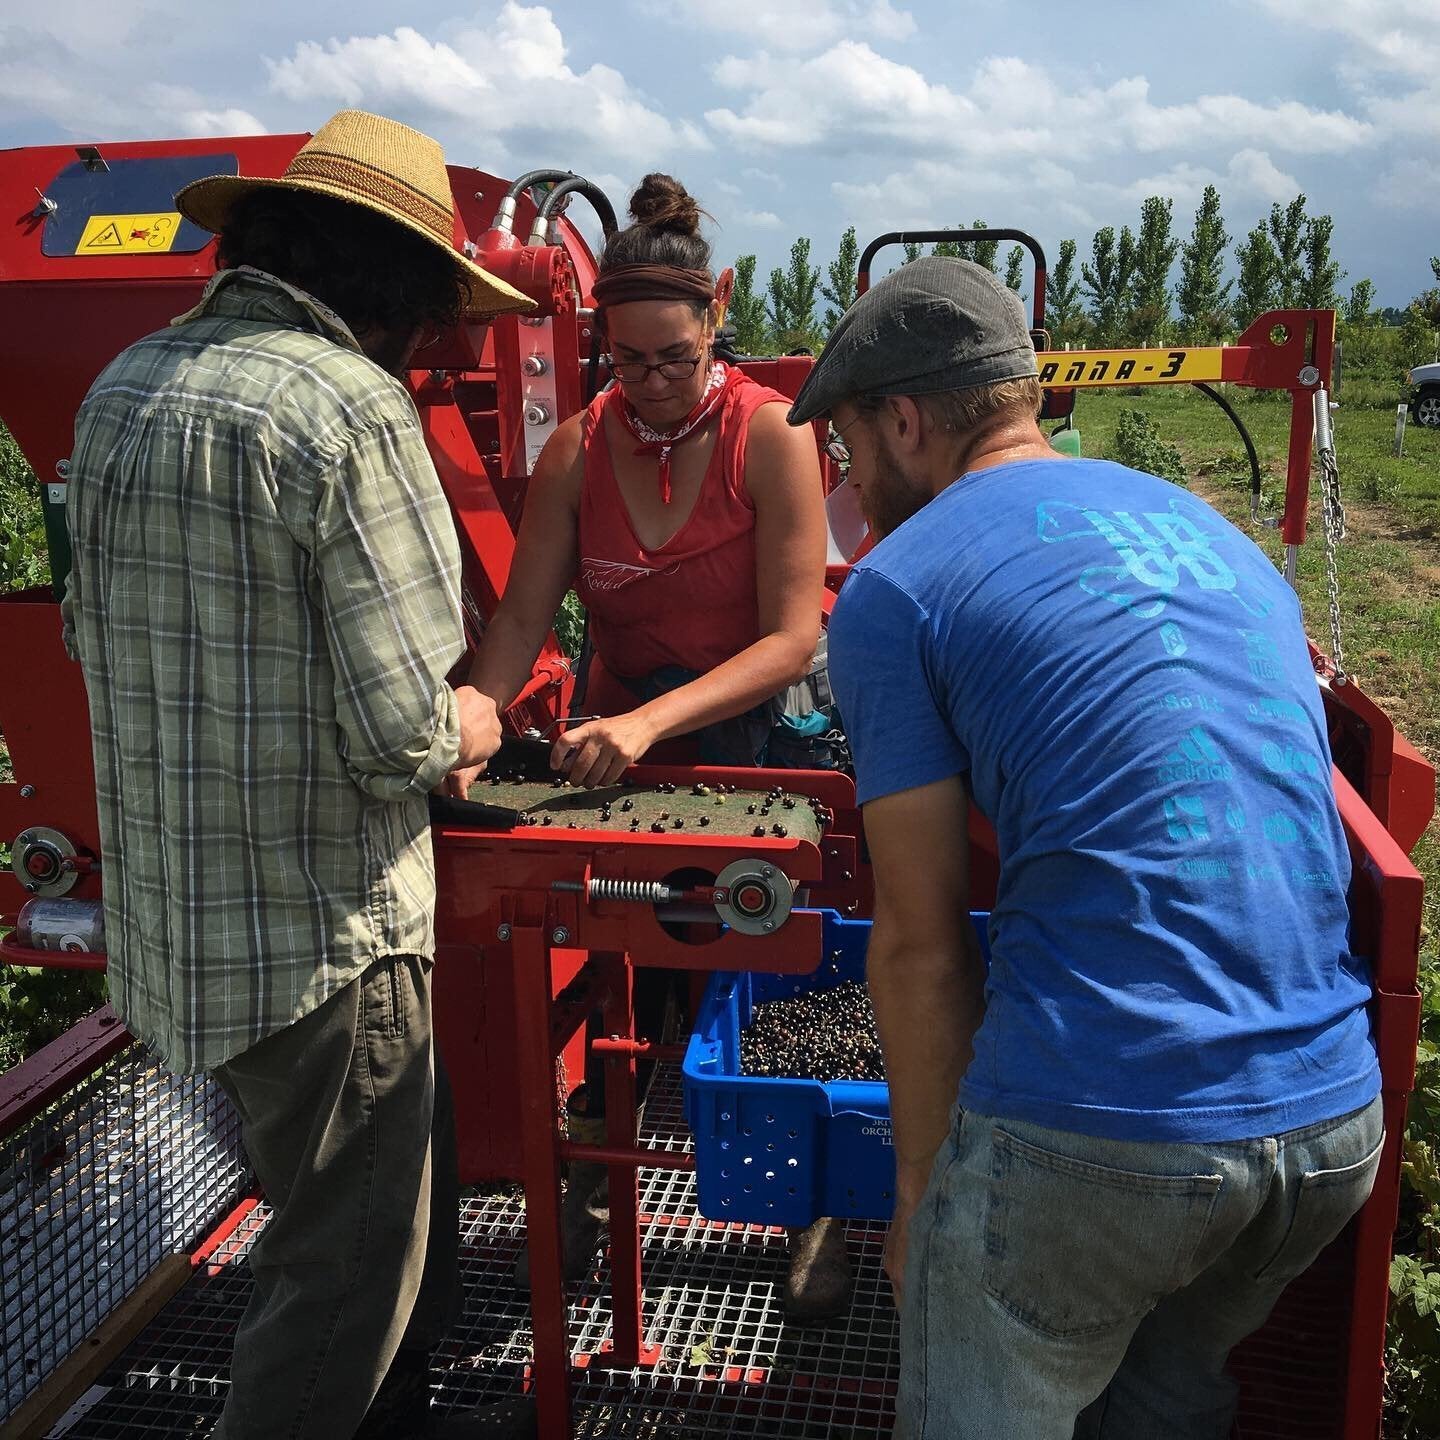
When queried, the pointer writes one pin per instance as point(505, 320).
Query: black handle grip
point(448, 810)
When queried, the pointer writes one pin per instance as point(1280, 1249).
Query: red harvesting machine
point(127, 1205)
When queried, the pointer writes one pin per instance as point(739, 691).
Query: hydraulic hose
point(578, 185)
point(1239, 424)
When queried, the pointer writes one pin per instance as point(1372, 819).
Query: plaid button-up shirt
point(265, 600)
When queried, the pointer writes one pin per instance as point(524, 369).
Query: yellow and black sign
point(129, 234)
point(1089, 368)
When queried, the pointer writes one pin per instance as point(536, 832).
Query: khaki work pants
point(347, 1118)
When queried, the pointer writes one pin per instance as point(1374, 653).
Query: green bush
point(22, 525)
point(1139, 444)
point(36, 1006)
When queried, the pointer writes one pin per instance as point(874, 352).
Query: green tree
point(1359, 308)
point(747, 310)
point(1203, 296)
point(1428, 301)
point(1321, 274)
point(1359, 326)
point(840, 292)
point(948, 249)
point(982, 252)
point(1015, 268)
point(1155, 251)
point(792, 300)
point(1417, 337)
point(1287, 238)
point(1259, 276)
point(1106, 282)
point(1064, 317)
point(912, 251)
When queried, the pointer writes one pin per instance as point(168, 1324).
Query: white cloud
point(1255, 172)
point(849, 97)
point(90, 93)
point(788, 25)
point(1392, 35)
point(1409, 185)
point(726, 188)
point(759, 219)
point(506, 79)
point(750, 172)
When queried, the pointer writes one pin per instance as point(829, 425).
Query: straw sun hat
point(366, 160)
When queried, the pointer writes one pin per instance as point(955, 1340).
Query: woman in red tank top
point(689, 518)
point(685, 512)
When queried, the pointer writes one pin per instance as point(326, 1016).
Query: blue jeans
point(1061, 1286)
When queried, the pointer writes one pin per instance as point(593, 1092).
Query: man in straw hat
point(1117, 1144)
point(265, 600)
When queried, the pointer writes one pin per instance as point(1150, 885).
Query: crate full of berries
point(785, 1092)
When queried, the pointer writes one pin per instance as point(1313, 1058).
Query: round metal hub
point(759, 896)
point(38, 859)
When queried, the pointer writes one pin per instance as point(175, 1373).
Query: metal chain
point(1332, 511)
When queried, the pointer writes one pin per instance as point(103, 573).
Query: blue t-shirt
point(1123, 678)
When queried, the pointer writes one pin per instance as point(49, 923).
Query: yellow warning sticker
point(129, 234)
point(1127, 367)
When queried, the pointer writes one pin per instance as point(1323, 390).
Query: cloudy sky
point(790, 117)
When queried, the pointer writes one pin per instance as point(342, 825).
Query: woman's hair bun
point(661, 202)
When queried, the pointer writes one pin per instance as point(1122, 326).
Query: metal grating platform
point(131, 1165)
point(730, 1366)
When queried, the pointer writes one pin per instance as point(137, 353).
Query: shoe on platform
point(821, 1279)
point(584, 1209)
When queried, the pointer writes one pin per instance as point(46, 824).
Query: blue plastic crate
point(785, 1152)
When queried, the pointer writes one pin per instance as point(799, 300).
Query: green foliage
point(569, 625)
point(948, 249)
point(1358, 308)
point(1155, 251)
point(792, 300)
point(1322, 273)
point(1139, 444)
point(1287, 237)
point(1427, 302)
point(982, 252)
point(1064, 318)
point(22, 526)
point(1015, 268)
point(36, 1006)
point(912, 251)
point(1107, 283)
point(1359, 329)
point(843, 274)
point(1203, 296)
point(1259, 276)
point(747, 310)
point(1417, 337)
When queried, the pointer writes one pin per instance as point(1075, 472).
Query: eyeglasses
point(635, 372)
point(836, 448)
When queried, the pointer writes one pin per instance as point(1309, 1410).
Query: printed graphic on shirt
point(1196, 759)
point(1156, 549)
point(616, 574)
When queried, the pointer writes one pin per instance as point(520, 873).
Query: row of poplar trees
point(1122, 295)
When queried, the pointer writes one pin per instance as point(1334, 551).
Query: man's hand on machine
point(599, 751)
point(479, 740)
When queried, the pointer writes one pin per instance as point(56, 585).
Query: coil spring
point(651, 892)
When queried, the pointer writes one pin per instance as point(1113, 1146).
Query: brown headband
point(652, 282)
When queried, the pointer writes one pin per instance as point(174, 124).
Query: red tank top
point(690, 602)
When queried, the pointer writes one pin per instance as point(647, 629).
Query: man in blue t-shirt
point(1167, 1087)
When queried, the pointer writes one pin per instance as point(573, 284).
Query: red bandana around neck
point(653, 442)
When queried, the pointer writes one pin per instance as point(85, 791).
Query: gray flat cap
point(934, 324)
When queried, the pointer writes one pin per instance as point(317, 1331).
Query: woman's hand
point(599, 751)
